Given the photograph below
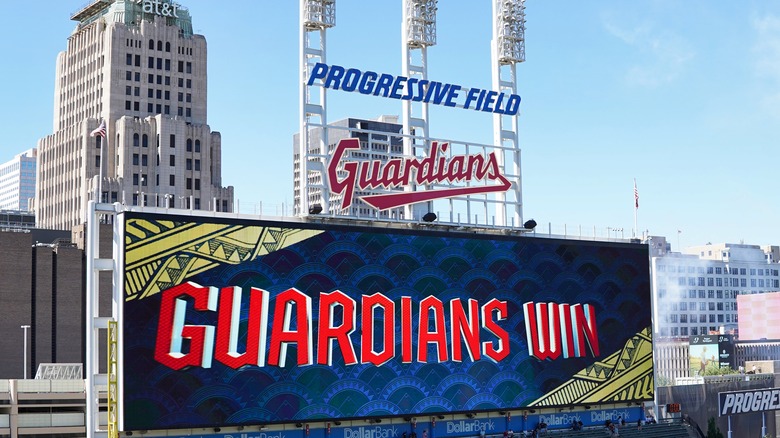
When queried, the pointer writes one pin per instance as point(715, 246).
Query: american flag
point(100, 130)
point(636, 196)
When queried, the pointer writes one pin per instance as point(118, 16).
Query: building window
point(189, 163)
point(159, 45)
point(197, 165)
point(144, 160)
point(167, 95)
point(97, 161)
point(129, 60)
point(159, 94)
point(135, 179)
point(150, 64)
point(181, 82)
point(167, 109)
point(136, 159)
point(145, 141)
point(181, 66)
point(167, 46)
point(150, 93)
point(137, 60)
point(180, 111)
point(189, 97)
point(197, 203)
point(137, 91)
point(128, 105)
point(173, 141)
point(197, 183)
point(144, 180)
point(197, 145)
point(188, 112)
point(172, 180)
point(136, 106)
point(189, 145)
point(173, 160)
point(151, 44)
point(189, 184)
point(189, 83)
point(224, 205)
point(167, 65)
point(129, 75)
point(149, 107)
point(159, 108)
point(181, 97)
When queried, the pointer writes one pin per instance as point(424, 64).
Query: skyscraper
point(136, 65)
point(17, 181)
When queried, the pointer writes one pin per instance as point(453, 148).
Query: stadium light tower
point(317, 16)
point(418, 32)
point(508, 49)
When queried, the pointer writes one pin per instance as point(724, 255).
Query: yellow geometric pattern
point(626, 375)
point(160, 254)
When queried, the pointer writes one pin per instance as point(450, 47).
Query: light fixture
point(298, 424)
point(470, 415)
point(377, 420)
point(129, 433)
point(429, 217)
point(407, 418)
point(263, 427)
point(530, 224)
point(440, 417)
point(501, 412)
point(533, 411)
point(587, 407)
point(337, 423)
point(217, 429)
point(240, 427)
point(315, 209)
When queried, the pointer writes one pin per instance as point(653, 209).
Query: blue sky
point(682, 96)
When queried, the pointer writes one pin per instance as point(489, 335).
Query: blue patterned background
point(613, 277)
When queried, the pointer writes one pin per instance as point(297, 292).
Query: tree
point(713, 431)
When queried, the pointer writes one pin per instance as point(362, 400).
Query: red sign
point(396, 172)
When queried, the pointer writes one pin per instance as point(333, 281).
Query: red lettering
point(436, 336)
point(371, 305)
point(328, 332)
point(406, 329)
point(171, 330)
point(464, 328)
point(226, 349)
point(585, 329)
point(497, 308)
point(288, 304)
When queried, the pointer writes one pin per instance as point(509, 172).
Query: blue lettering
point(351, 79)
point(512, 105)
point(421, 87)
point(491, 95)
point(409, 88)
point(470, 97)
point(397, 85)
point(498, 109)
point(334, 77)
point(367, 82)
point(383, 85)
point(452, 94)
point(318, 72)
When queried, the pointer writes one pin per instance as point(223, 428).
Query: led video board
point(236, 322)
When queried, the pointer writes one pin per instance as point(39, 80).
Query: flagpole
point(636, 208)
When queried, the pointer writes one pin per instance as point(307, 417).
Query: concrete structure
point(695, 292)
point(17, 181)
point(142, 70)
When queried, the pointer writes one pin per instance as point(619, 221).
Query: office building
point(17, 181)
point(137, 66)
point(695, 292)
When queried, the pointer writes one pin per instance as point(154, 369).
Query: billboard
point(235, 322)
point(710, 352)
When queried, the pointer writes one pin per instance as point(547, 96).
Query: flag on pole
point(636, 195)
point(100, 131)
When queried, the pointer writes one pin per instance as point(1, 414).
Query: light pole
point(25, 328)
